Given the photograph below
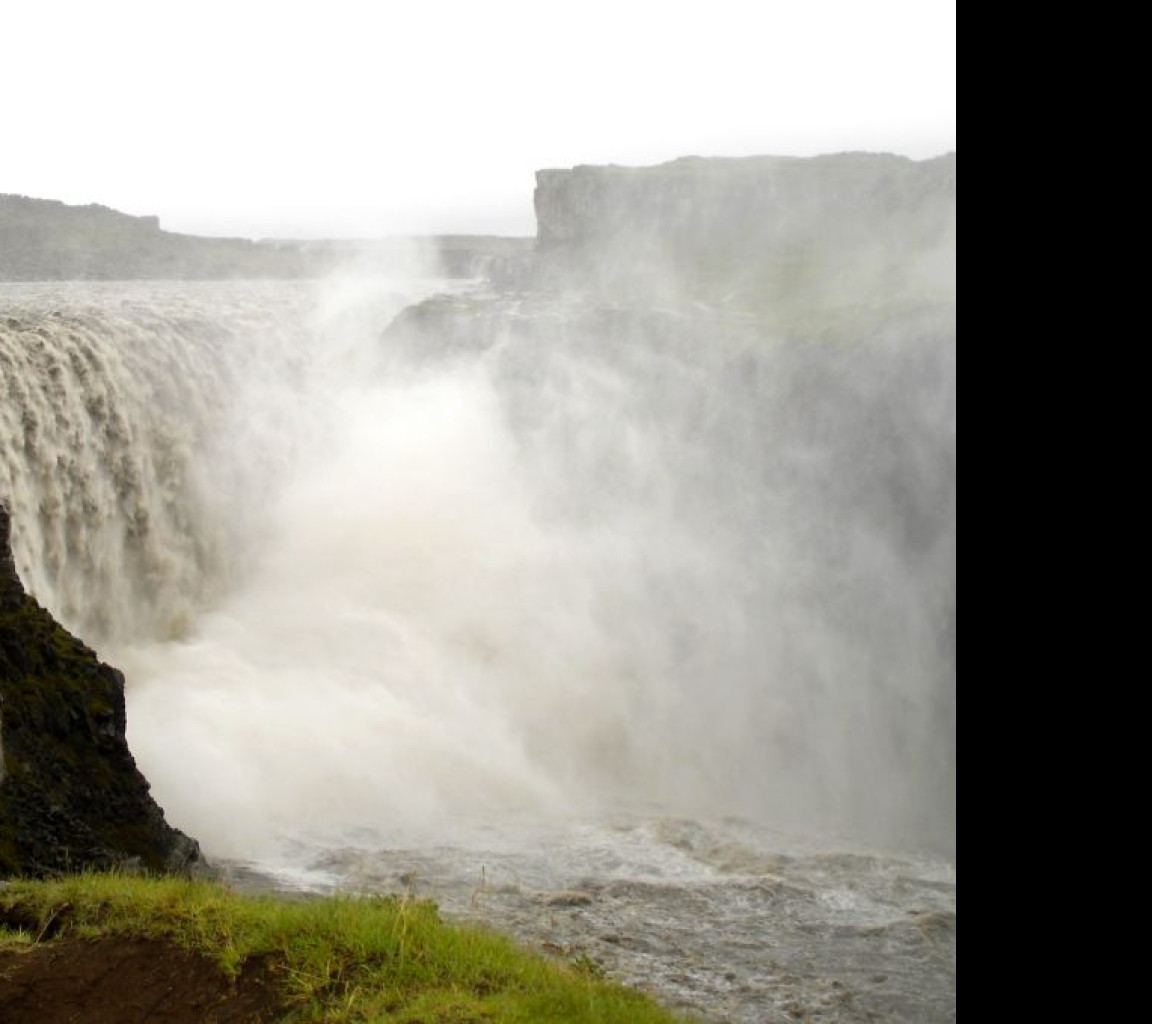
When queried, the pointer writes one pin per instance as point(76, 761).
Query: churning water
point(530, 605)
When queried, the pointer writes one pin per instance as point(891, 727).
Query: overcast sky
point(373, 117)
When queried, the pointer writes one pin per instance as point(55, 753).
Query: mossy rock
point(71, 796)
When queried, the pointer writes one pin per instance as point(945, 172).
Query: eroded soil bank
point(129, 981)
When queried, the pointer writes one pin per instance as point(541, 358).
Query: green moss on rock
point(71, 796)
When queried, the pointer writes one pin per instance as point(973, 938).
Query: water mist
point(569, 559)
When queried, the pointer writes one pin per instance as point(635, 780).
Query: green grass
point(338, 960)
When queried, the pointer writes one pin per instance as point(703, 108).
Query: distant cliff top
point(45, 240)
point(757, 195)
point(721, 165)
point(39, 222)
point(755, 232)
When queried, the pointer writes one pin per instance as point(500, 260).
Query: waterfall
point(508, 553)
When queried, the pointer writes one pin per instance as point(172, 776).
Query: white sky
point(374, 117)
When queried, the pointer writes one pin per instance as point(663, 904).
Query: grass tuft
point(336, 960)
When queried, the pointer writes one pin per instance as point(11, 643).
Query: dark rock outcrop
point(11, 589)
point(71, 796)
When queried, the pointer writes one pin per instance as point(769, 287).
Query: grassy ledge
point(344, 959)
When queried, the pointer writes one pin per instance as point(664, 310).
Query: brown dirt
point(129, 981)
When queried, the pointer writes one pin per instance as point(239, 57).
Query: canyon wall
point(761, 233)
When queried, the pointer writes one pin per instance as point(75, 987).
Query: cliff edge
point(45, 240)
point(71, 796)
point(755, 234)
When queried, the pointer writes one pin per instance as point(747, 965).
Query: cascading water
point(112, 401)
point(511, 561)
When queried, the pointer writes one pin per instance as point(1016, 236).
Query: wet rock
point(11, 589)
point(565, 900)
point(71, 796)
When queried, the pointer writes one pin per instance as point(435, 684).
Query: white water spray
point(563, 558)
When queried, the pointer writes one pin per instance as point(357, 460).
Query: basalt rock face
point(71, 796)
point(756, 233)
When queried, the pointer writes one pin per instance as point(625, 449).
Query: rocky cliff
point(41, 240)
point(754, 233)
point(71, 796)
point(35, 224)
point(758, 359)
